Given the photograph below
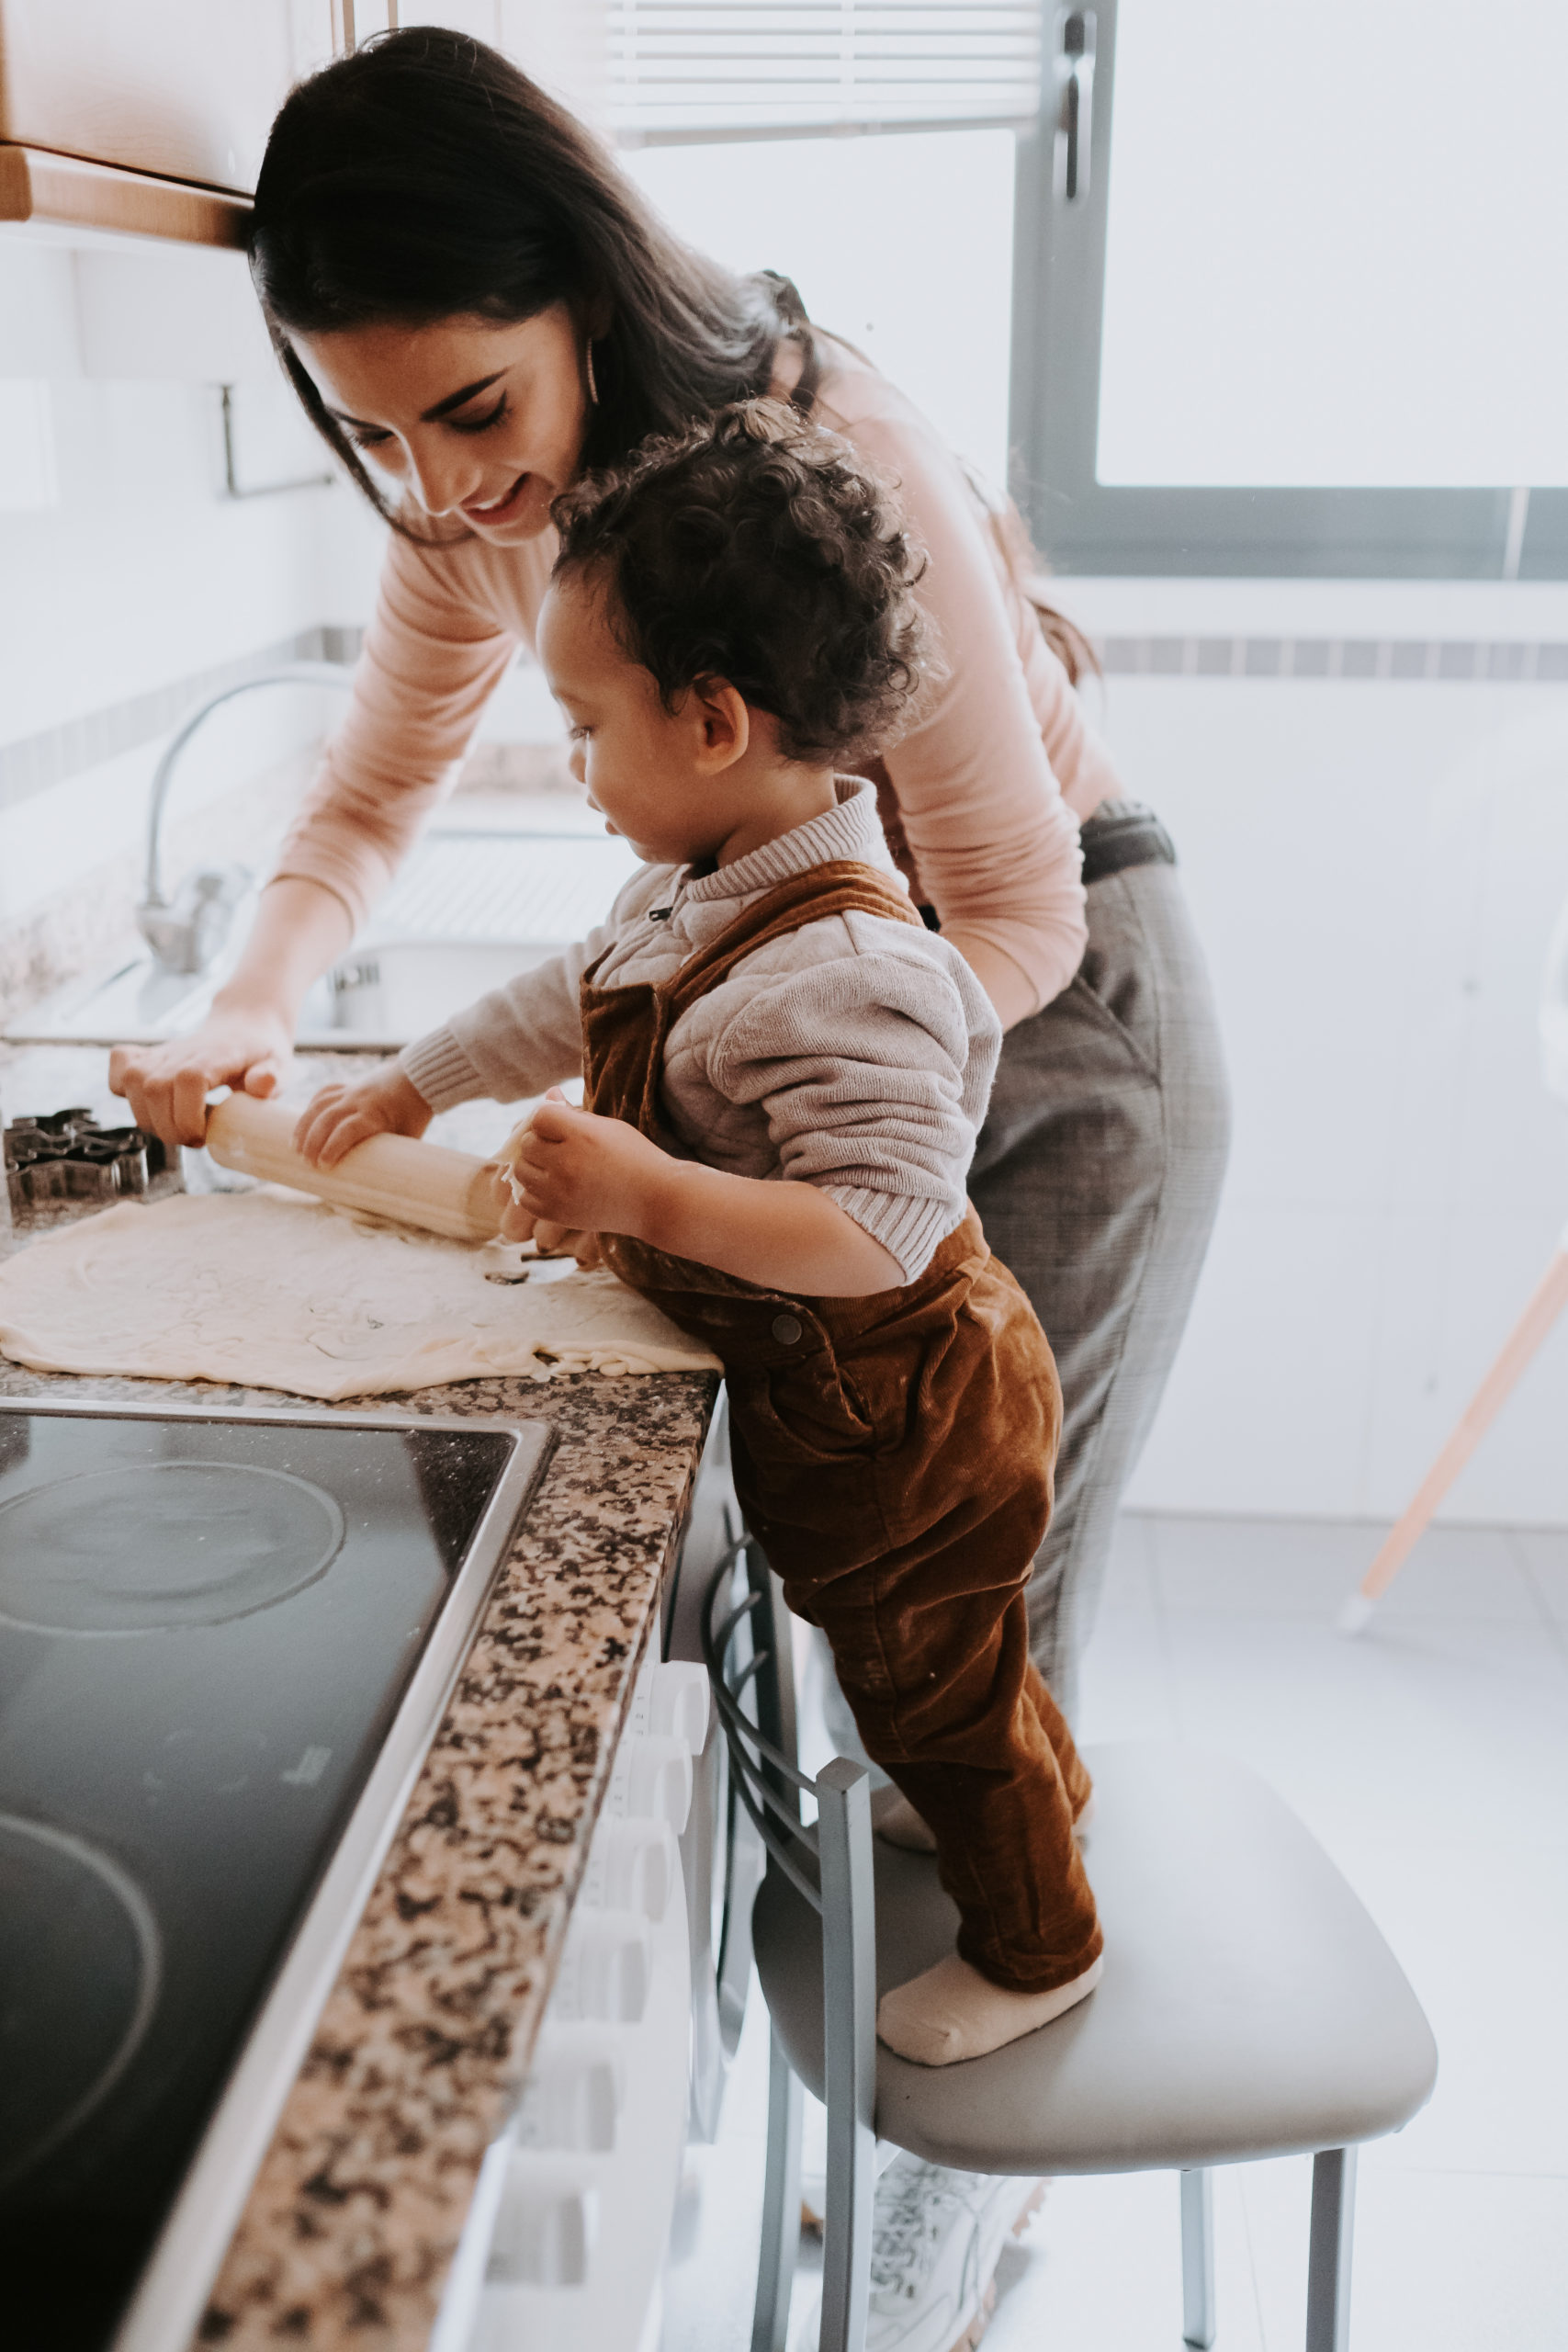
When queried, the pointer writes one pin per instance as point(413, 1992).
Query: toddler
point(784, 1070)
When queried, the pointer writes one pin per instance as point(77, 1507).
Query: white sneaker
point(936, 2239)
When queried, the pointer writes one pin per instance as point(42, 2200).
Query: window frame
point(1088, 527)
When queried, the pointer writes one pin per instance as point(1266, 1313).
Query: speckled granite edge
point(356, 2211)
point(355, 2216)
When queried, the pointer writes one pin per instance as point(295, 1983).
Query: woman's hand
point(340, 1116)
point(572, 1175)
point(167, 1086)
point(246, 1040)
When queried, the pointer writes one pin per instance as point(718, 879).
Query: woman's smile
point(501, 509)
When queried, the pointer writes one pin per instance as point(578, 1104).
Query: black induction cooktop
point(226, 1640)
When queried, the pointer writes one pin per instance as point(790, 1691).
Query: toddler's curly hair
point(756, 547)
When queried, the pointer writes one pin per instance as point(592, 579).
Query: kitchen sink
point(470, 911)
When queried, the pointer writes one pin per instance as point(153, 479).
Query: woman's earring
point(593, 387)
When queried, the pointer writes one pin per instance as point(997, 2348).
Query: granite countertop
point(355, 2214)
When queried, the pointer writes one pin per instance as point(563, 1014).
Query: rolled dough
point(270, 1290)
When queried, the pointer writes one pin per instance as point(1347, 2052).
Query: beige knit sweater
point(855, 1054)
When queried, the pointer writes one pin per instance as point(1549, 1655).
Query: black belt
point(1120, 834)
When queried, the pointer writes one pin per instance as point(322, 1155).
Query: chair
point(1248, 2009)
point(1542, 1308)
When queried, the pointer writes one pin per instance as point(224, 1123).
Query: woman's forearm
point(1010, 990)
point(300, 928)
point(786, 1236)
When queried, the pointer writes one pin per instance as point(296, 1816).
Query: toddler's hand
point(340, 1116)
point(574, 1173)
point(518, 1224)
point(550, 1239)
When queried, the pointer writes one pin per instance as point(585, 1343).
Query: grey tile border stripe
point(36, 762)
point(1458, 660)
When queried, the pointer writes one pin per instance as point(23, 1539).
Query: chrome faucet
point(187, 933)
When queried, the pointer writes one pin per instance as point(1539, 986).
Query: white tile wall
point(142, 572)
point(1375, 869)
point(28, 480)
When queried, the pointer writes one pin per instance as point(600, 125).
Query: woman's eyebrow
point(430, 415)
point(456, 400)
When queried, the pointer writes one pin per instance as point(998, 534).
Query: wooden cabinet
point(148, 115)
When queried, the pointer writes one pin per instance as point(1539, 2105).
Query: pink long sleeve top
point(990, 785)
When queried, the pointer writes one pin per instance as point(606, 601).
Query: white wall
point(142, 572)
point(1375, 870)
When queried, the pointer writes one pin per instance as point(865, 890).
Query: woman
point(463, 287)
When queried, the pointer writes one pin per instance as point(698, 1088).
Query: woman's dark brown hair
point(1023, 560)
point(757, 548)
point(427, 177)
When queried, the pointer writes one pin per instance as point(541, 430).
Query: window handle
point(1074, 110)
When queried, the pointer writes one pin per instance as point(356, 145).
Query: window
point(1301, 310)
point(902, 244)
point(725, 68)
point(735, 114)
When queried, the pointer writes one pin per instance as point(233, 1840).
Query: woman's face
point(476, 418)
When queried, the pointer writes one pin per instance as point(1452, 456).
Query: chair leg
point(780, 2206)
point(849, 2018)
point(1546, 1302)
point(1328, 2258)
point(1198, 2323)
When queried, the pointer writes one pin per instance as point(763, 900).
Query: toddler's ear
point(724, 724)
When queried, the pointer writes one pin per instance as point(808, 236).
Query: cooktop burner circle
point(153, 1547)
point(80, 1964)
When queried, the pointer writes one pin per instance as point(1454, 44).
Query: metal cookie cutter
point(67, 1156)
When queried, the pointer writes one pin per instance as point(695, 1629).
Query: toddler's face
point(641, 763)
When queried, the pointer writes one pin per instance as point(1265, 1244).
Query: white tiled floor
point(1432, 1759)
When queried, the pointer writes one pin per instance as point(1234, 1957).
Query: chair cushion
point(1249, 2007)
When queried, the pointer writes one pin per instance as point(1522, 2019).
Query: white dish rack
point(484, 889)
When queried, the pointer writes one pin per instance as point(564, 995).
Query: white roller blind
point(689, 68)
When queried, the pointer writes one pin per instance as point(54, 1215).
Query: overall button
point(786, 1329)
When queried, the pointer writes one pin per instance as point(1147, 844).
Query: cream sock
point(953, 2012)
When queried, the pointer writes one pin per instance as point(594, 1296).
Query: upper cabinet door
point(183, 88)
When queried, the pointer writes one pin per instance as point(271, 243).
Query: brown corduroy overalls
point(893, 1455)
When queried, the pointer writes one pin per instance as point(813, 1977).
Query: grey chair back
point(746, 1642)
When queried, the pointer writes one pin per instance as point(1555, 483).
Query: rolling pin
point(392, 1176)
